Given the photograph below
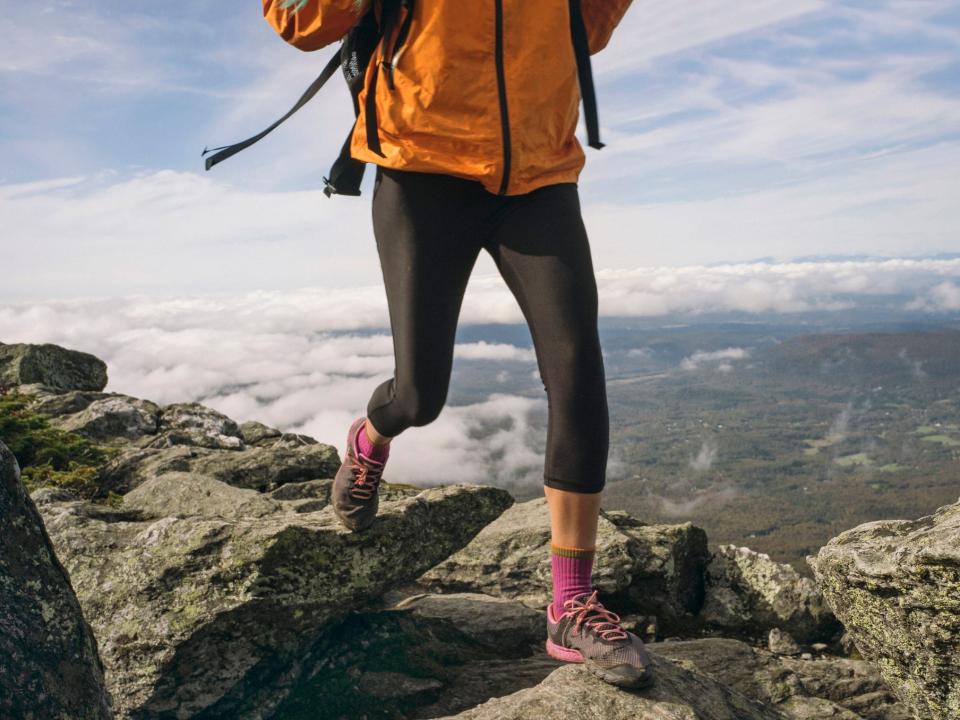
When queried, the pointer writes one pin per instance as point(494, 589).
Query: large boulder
point(52, 366)
point(49, 667)
point(652, 569)
point(895, 585)
point(203, 596)
point(573, 693)
point(747, 593)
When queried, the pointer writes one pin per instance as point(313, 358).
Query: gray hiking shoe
point(589, 633)
point(354, 494)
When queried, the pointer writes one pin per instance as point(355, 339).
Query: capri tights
point(429, 230)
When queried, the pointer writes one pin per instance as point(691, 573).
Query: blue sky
point(763, 156)
point(735, 130)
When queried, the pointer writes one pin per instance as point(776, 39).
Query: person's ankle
point(369, 448)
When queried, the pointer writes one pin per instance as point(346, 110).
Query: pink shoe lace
point(606, 622)
point(367, 477)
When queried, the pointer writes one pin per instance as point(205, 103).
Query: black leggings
point(429, 230)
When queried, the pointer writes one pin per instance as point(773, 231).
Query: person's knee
point(424, 408)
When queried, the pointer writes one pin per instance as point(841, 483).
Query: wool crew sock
point(369, 448)
point(572, 572)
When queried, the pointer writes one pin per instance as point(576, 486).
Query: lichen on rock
point(895, 585)
point(200, 592)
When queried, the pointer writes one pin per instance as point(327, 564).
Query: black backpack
point(356, 49)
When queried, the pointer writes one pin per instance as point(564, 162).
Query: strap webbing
point(222, 153)
point(390, 10)
point(346, 174)
point(581, 47)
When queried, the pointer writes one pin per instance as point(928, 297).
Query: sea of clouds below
point(307, 360)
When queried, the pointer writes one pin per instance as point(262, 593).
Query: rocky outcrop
point(187, 437)
point(749, 594)
point(895, 585)
point(573, 693)
point(52, 366)
point(49, 667)
point(222, 585)
point(205, 597)
point(649, 569)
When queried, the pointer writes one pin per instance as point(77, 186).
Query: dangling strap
point(222, 153)
point(581, 47)
point(346, 174)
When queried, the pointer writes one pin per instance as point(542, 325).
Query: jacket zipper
point(502, 91)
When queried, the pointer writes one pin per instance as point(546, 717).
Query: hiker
point(469, 112)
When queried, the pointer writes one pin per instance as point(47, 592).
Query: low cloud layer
point(308, 360)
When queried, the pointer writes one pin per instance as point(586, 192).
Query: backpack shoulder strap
point(222, 153)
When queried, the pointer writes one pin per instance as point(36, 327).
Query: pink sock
point(572, 572)
point(371, 450)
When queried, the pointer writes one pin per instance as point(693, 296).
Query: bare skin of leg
point(573, 517)
point(373, 436)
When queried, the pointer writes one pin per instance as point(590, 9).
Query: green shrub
point(48, 456)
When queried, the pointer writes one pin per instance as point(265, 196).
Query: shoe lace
point(367, 475)
point(592, 613)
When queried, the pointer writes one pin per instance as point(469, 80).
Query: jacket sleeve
point(317, 23)
point(600, 18)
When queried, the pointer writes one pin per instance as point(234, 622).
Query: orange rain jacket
point(447, 112)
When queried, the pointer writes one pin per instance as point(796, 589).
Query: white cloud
point(309, 359)
point(701, 357)
point(706, 456)
point(943, 297)
point(483, 350)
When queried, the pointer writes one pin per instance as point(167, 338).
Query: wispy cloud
point(702, 357)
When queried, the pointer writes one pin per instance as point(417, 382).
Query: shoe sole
point(558, 652)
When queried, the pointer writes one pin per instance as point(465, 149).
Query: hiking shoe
point(354, 494)
point(589, 633)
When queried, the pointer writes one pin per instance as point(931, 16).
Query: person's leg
point(542, 250)
point(427, 230)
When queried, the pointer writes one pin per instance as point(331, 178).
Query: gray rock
point(434, 655)
point(55, 403)
point(780, 642)
point(253, 433)
point(110, 418)
point(258, 468)
point(853, 684)
point(895, 585)
point(748, 593)
point(49, 667)
point(828, 687)
point(213, 612)
point(198, 425)
point(650, 569)
point(503, 625)
point(573, 693)
point(51, 365)
point(186, 495)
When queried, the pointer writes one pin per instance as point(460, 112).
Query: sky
point(762, 156)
